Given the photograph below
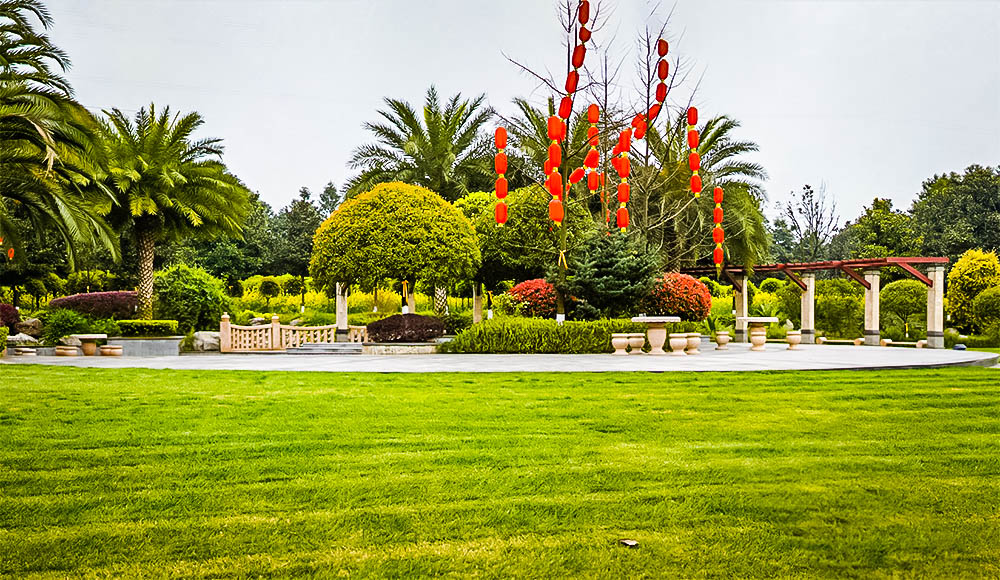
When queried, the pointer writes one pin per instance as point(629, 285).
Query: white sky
point(869, 97)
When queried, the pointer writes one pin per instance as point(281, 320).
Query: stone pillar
point(276, 333)
point(342, 329)
point(809, 309)
point(225, 334)
point(477, 303)
point(411, 298)
point(742, 308)
point(935, 307)
point(871, 308)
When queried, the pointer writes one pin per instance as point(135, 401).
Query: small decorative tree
point(974, 272)
point(904, 299)
point(269, 288)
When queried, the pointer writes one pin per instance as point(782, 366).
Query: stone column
point(871, 308)
point(225, 334)
point(742, 309)
point(276, 334)
point(411, 298)
point(935, 307)
point(477, 303)
point(809, 309)
point(342, 330)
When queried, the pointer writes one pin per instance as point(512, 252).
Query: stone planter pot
point(758, 338)
point(693, 342)
point(620, 342)
point(636, 342)
point(722, 339)
point(678, 342)
point(794, 338)
point(66, 351)
point(111, 350)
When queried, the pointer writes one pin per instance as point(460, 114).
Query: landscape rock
point(206, 341)
point(259, 322)
point(70, 341)
point(29, 326)
point(22, 339)
point(296, 322)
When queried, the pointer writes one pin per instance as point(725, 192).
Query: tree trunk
point(146, 251)
point(440, 300)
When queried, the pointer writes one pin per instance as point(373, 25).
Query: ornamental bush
point(269, 288)
point(86, 281)
point(986, 307)
point(770, 285)
point(191, 296)
point(119, 305)
point(148, 327)
point(904, 300)
point(294, 286)
point(677, 294)
point(974, 272)
point(3, 339)
point(840, 308)
point(62, 322)
point(535, 298)
point(405, 328)
point(9, 316)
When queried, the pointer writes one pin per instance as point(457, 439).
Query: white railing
point(277, 336)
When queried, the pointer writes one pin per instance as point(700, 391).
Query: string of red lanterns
point(500, 165)
point(694, 160)
point(718, 236)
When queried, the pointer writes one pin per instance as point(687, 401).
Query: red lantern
point(10, 253)
point(572, 79)
point(717, 195)
point(615, 161)
point(693, 138)
point(577, 175)
point(592, 132)
point(565, 107)
point(654, 111)
point(661, 92)
point(624, 167)
point(717, 255)
point(592, 159)
point(718, 236)
point(555, 155)
point(584, 34)
point(662, 47)
point(663, 70)
point(637, 120)
point(553, 128)
point(501, 187)
point(692, 116)
point(640, 131)
point(500, 163)
point(625, 141)
point(584, 12)
point(555, 185)
point(717, 215)
point(623, 192)
point(694, 161)
point(622, 217)
point(500, 137)
point(593, 181)
point(593, 114)
point(696, 184)
point(547, 167)
point(595, 142)
point(579, 52)
point(556, 211)
point(500, 212)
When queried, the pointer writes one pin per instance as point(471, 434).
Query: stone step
point(327, 348)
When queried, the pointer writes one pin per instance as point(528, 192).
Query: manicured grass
point(143, 473)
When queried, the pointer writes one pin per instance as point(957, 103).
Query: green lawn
point(144, 473)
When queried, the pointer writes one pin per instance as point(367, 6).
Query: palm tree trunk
point(146, 249)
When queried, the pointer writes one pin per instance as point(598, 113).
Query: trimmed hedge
point(148, 327)
point(534, 336)
point(405, 328)
point(3, 339)
point(119, 305)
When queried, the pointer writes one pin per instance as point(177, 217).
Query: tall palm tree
point(168, 185)
point(443, 150)
point(47, 159)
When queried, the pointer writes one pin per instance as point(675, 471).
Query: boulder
point(206, 341)
point(29, 326)
point(296, 322)
point(259, 322)
point(22, 339)
point(70, 341)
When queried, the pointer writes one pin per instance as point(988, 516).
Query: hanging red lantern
point(592, 132)
point(579, 52)
point(640, 131)
point(501, 187)
point(10, 253)
point(623, 192)
point(625, 141)
point(717, 195)
point(500, 138)
point(718, 255)
point(718, 236)
point(654, 111)
point(584, 13)
point(694, 161)
point(577, 175)
point(592, 159)
point(693, 138)
point(565, 107)
point(593, 181)
point(622, 217)
point(553, 128)
point(615, 161)
point(663, 70)
point(562, 131)
point(717, 215)
point(555, 185)
point(624, 167)
point(593, 114)
point(571, 81)
point(555, 155)
point(661, 92)
point(500, 212)
point(584, 34)
point(696, 184)
point(556, 211)
point(637, 120)
point(692, 116)
point(500, 163)
point(662, 47)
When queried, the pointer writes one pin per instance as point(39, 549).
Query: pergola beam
point(793, 277)
point(915, 273)
point(857, 277)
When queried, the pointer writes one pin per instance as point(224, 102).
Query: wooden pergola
point(866, 272)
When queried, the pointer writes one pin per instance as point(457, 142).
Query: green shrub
point(789, 298)
point(973, 273)
point(771, 285)
point(505, 305)
point(61, 322)
point(840, 308)
point(986, 308)
point(3, 339)
point(89, 281)
point(191, 296)
point(903, 300)
point(269, 288)
point(456, 322)
point(148, 327)
point(294, 286)
point(536, 336)
point(714, 288)
point(314, 318)
point(366, 318)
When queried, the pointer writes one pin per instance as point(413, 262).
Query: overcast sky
point(869, 97)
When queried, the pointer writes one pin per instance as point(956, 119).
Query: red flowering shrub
point(117, 305)
point(9, 316)
point(536, 297)
point(678, 295)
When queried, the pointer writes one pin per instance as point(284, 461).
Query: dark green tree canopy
point(880, 231)
point(958, 212)
point(294, 228)
point(612, 274)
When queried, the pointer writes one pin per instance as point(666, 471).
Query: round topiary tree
point(770, 285)
point(904, 299)
point(269, 288)
point(191, 296)
point(986, 307)
point(395, 231)
point(535, 297)
point(974, 272)
point(678, 295)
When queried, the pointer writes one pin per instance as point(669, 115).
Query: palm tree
point(46, 140)
point(168, 185)
point(445, 151)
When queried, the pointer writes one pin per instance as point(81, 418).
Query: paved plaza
point(737, 358)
